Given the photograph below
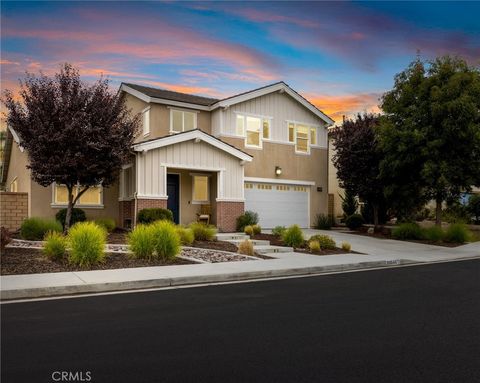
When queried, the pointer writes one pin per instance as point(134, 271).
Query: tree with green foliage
point(430, 132)
point(74, 133)
point(474, 207)
point(358, 158)
point(349, 203)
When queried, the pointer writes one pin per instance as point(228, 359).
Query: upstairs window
point(181, 121)
point(303, 136)
point(254, 129)
point(291, 132)
point(146, 121)
point(302, 139)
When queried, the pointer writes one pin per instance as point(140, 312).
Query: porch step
point(272, 249)
point(255, 242)
point(231, 237)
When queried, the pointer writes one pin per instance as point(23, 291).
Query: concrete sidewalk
point(378, 253)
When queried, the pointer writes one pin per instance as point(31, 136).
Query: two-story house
point(265, 150)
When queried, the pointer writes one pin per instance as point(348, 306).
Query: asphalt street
point(412, 324)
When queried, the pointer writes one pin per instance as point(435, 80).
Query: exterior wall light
point(278, 170)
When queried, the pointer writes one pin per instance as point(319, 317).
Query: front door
point(173, 189)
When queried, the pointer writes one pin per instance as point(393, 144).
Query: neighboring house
point(264, 150)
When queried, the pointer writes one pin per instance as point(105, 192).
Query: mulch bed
point(215, 245)
point(274, 240)
point(118, 236)
point(32, 261)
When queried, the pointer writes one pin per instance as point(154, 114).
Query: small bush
point(326, 242)
point(323, 222)
point(34, 229)
point(167, 240)
point(246, 248)
point(141, 242)
point(87, 244)
point(107, 223)
point(354, 221)
point(408, 230)
point(257, 229)
point(78, 215)
point(186, 235)
point(278, 231)
point(147, 216)
point(248, 230)
point(457, 233)
point(246, 219)
point(346, 246)
point(203, 232)
point(293, 236)
point(314, 246)
point(434, 233)
point(55, 245)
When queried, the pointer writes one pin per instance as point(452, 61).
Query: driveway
point(389, 248)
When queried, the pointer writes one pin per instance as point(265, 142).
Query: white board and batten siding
point(279, 107)
point(195, 156)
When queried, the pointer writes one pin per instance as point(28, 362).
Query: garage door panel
point(278, 207)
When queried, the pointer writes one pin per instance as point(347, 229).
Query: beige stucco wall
point(151, 167)
point(18, 169)
point(188, 211)
point(294, 167)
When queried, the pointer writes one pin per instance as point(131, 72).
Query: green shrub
point(293, 236)
point(107, 223)
point(354, 221)
point(474, 207)
point(141, 241)
point(257, 229)
point(78, 215)
point(349, 203)
point(34, 229)
point(55, 245)
point(246, 248)
point(434, 233)
point(278, 231)
point(325, 241)
point(167, 240)
point(457, 233)
point(314, 246)
point(247, 218)
point(456, 213)
point(154, 214)
point(346, 246)
point(408, 230)
point(186, 235)
point(87, 243)
point(248, 230)
point(203, 232)
point(323, 222)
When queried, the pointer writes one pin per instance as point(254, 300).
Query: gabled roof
point(197, 135)
point(163, 96)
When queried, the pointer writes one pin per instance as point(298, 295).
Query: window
point(14, 185)
point(253, 131)
point(239, 125)
point(146, 121)
point(303, 136)
point(92, 197)
point(266, 129)
point(200, 189)
point(291, 132)
point(181, 121)
point(313, 136)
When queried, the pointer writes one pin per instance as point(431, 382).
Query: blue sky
point(340, 55)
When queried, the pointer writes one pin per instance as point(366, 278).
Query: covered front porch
point(190, 173)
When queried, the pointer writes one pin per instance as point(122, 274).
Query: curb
point(42, 292)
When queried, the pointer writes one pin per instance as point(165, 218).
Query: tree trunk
point(375, 214)
point(68, 216)
point(438, 212)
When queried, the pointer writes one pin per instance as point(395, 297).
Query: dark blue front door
point(173, 202)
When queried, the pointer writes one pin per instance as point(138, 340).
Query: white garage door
point(278, 204)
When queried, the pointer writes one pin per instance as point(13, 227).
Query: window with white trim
point(146, 121)
point(92, 197)
point(14, 185)
point(182, 121)
point(200, 190)
point(303, 136)
point(254, 129)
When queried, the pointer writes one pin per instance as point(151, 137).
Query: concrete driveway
point(389, 248)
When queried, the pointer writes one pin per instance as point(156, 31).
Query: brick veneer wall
point(13, 209)
point(227, 213)
point(127, 212)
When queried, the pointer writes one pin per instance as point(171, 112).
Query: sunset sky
point(341, 56)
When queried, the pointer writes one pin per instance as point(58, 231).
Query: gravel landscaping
point(213, 256)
